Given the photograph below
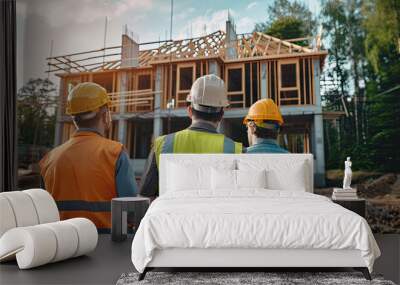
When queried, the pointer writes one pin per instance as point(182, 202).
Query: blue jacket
point(266, 146)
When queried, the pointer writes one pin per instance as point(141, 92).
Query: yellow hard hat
point(86, 97)
point(264, 110)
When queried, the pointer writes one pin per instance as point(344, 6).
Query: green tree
point(36, 114)
point(285, 28)
point(362, 77)
point(382, 45)
point(344, 77)
point(288, 20)
point(335, 81)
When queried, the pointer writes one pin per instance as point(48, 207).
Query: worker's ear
point(107, 119)
point(189, 111)
point(251, 128)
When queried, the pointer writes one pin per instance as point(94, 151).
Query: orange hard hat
point(264, 110)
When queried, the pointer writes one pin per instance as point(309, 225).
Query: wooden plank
point(113, 82)
point(165, 94)
point(279, 84)
point(170, 83)
point(276, 56)
point(288, 99)
point(298, 39)
point(305, 95)
point(266, 47)
point(277, 95)
point(269, 86)
point(311, 77)
point(66, 61)
point(251, 83)
point(298, 82)
point(259, 80)
point(243, 85)
point(256, 46)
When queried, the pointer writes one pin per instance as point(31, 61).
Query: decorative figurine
point(347, 174)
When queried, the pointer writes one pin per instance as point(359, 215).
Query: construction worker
point(263, 122)
point(206, 100)
point(88, 170)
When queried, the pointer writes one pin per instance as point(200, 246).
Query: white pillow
point(294, 179)
point(189, 176)
point(251, 178)
point(223, 179)
point(281, 174)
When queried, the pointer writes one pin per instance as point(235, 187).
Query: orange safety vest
point(80, 175)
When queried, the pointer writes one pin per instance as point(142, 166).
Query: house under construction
point(148, 84)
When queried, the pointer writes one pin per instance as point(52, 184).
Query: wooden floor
point(110, 260)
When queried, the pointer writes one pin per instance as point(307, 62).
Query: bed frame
point(245, 258)
point(248, 259)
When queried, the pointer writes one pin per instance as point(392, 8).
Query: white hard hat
point(208, 94)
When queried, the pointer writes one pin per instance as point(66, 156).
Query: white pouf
point(23, 208)
point(7, 218)
point(45, 205)
point(31, 230)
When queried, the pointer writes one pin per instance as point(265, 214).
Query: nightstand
point(358, 206)
point(120, 207)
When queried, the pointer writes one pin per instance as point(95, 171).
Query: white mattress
point(252, 219)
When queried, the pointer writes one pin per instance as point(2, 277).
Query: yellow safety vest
point(191, 141)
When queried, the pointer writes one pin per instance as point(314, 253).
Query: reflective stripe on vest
point(168, 145)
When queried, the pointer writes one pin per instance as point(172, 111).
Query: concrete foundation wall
point(213, 68)
point(318, 131)
point(264, 81)
point(122, 122)
point(157, 124)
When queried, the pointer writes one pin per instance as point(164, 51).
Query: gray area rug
point(229, 278)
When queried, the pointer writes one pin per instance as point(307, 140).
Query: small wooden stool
point(120, 207)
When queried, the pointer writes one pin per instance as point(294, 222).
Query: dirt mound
point(396, 187)
point(334, 177)
point(378, 187)
point(382, 192)
point(383, 218)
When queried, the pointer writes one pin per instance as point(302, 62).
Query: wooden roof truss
point(207, 46)
point(247, 45)
point(259, 44)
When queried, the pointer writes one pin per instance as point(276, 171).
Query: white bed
point(247, 211)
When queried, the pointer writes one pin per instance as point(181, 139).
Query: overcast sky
point(78, 25)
